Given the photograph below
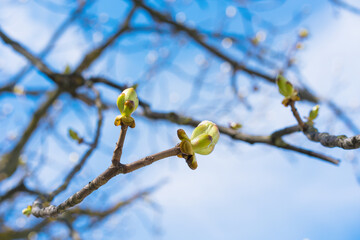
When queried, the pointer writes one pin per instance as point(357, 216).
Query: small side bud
point(182, 135)
point(314, 113)
point(186, 148)
point(303, 33)
point(117, 121)
point(192, 163)
point(27, 211)
point(73, 135)
point(19, 90)
point(235, 125)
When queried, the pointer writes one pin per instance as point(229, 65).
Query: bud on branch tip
point(287, 90)
point(202, 141)
point(127, 102)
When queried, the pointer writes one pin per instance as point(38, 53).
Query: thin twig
point(119, 146)
point(51, 211)
point(310, 153)
point(196, 36)
point(88, 153)
point(116, 207)
point(52, 41)
point(29, 56)
point(295, 112)
point(285, 131)
point(94, 54)
point(9, 162)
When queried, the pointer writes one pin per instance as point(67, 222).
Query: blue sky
point(240, 191)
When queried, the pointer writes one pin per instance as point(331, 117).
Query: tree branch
point(52, 41)
point(296, 114)
point(88, 153)
point(193, 34)
point(94, 54)
point(51, 211)
point(29, 56)
point(119, 146)
point(331, 141)
point(273, 139)
point(9, 162)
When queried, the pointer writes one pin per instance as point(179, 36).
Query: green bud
point(27, 211)
point(314, 113)
point(202, 141)
point(73, 135)
point(204, 137)
point(287, 90)
point(285, 87)
point(127, 102)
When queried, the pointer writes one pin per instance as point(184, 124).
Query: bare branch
point(285, 131)
point(193, 34)
point(53, 39)
point(310, 153)
point(29, 56)
point(331, 141)
point(17, 189)
point(119, 146)
point(297, 116)
point(116, 207)
point(88, 153)
point(51, 211)
point(94, 54)
point(9, 162)
point(13, 234)
point(346, 6)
